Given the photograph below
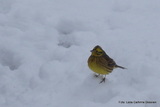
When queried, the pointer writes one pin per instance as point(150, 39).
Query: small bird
point(100, 63)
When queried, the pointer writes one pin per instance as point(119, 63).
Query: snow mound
point(44, 47)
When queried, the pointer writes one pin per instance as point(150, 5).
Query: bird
point(100, 63)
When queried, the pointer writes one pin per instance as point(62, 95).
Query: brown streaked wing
point(111, 62)
point(104, 63)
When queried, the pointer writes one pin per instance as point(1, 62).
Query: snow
point(44, 47)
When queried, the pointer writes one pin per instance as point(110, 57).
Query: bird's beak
point(91, 50)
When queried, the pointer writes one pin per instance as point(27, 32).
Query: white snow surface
point(45, 44)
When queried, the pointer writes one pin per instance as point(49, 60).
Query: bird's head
point(97, 51)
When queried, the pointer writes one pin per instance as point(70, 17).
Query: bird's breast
point(95, 66)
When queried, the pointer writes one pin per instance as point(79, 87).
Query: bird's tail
point(117, 66)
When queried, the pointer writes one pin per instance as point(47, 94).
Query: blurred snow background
point(45, 44)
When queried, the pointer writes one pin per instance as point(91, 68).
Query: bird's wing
point(107, 64)
point(111, 63)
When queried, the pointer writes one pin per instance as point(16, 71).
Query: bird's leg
point(103, 80)
point(96, 75)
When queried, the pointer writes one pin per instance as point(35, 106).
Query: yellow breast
point(95, 67)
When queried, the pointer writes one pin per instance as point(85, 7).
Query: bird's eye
point(99, 53)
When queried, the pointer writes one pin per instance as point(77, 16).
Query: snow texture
point(45, 44)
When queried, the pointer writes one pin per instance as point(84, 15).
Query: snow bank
point(44, 47)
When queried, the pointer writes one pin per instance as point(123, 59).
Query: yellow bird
point(100, 63)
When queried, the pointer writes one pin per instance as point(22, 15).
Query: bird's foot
point(97, 75)
point(103, 80)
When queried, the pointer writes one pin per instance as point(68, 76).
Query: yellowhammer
point(100, 63)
